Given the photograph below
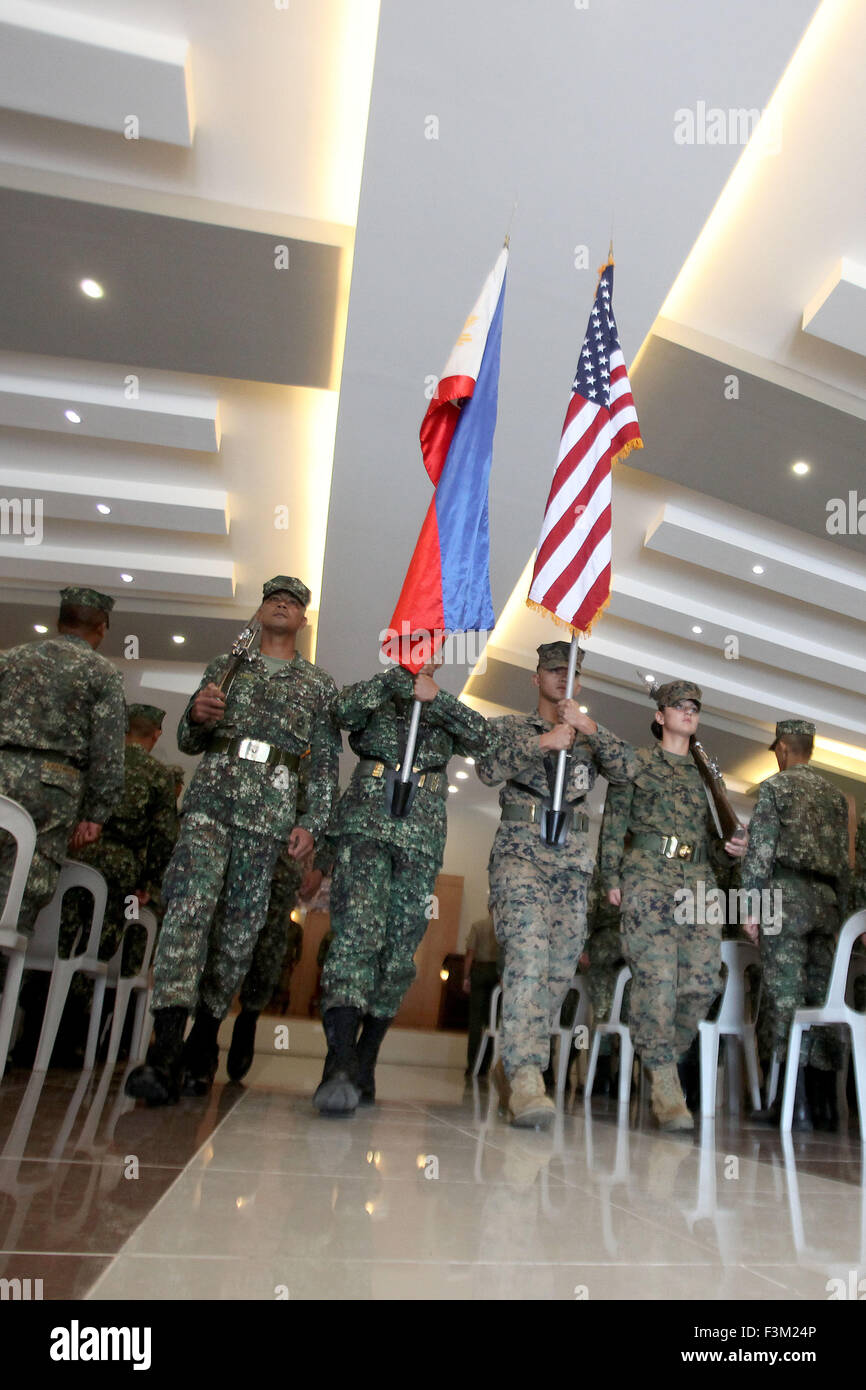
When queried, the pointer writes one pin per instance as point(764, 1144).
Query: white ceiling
point(220, 473)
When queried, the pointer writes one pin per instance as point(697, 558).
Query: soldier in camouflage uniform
point(131, 854)
point(385, 869)
point(604, 958)
point(62, 722)
point(657, 841)
point(799, 844)
point(538, 892)
point(237, 814)
point(178, 777)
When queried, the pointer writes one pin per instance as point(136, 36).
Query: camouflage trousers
point(264, 973)
point(379, 896)
point(797, 962)
point(540, 918)
point(214, 866)
point(675, 969)
point(606, 959)
point(50, 792)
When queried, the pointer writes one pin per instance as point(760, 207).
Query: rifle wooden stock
point(714, 783)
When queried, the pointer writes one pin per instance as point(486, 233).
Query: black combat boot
point(372, 1033)
point(689, 1072)
point(243, 1048)
point(802, 1117)
point(158, 1080)
point(821, 1093)
point(201, 1053)
point(337, 1093)
point(602, 1083)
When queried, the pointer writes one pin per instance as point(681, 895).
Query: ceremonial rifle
point(727, 820)
point(240, 652)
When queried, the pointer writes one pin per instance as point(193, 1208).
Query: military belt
point(434, 779)
point(514, 811)
point(670, 847)
point(254, 751)
point(782, 871)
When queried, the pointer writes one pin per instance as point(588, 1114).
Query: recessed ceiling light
point(127, 578)
point(697, 629)
point(462, 776)
point(583, 708)
point(105, 510)
point(73, 417)
point(800, 468)
point(176, 637)
point(452, 789)
point(92, 289)
point(39, 627)
point(757, 569)
point(649, 679)
point(470, 762)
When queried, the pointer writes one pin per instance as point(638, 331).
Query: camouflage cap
point(283, 584)
point(803, 728)
point(553, 655)
point(88, 598)
point(152, 713)
point(665, 695)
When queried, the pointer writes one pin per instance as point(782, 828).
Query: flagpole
point(401, 790)
point(555, 820)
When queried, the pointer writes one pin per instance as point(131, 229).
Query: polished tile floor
point(249, 1194)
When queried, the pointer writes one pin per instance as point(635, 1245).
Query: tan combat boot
point(530, 1107)
point(668, 1102)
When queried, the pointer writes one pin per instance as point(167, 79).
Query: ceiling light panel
point(166, 507)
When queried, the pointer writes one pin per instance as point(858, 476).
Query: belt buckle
point(670, 847)
point(422, 780)
point(378, 770)
point(533, 813)
point(685, 851)
point(253, 750)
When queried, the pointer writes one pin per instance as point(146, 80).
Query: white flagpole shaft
point(560, 763)
point(411, 740)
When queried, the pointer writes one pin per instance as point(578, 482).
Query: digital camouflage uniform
point(798, 844)
point(385, 869)
point(606, 951)
point(237, 815)
point(62, 729)
point(131, 854)
point(538, 892)
point(674, 963)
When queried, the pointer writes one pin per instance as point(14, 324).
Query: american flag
point(571, 579)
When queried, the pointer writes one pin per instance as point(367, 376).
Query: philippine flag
point(447, 585)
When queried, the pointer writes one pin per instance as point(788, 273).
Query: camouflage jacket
point(515, 759)
point(146, 821)
point(294, 710)
point(858, 898)
point(800, 822)
point(377, 713)
point(665, 797)
point(62, 699)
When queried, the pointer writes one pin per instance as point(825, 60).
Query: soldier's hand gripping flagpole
point(554, 821)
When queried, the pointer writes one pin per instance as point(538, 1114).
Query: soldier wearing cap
point(657, 842)
point(799, 844)
point(131, 854)
point(385, 868)
point(238, 812)
point(538, 891)
point(62, 722)
point(178, 777)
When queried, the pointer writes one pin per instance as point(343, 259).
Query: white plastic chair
point(737, 956)
point(581, 1020)
point(127, 985)
point(833, 1010)
point(42, 954)
point(13, 944)
point(490, 1034)
point(613, 1027)
point(855, 970)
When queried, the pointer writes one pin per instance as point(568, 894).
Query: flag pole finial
point(507, 242)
